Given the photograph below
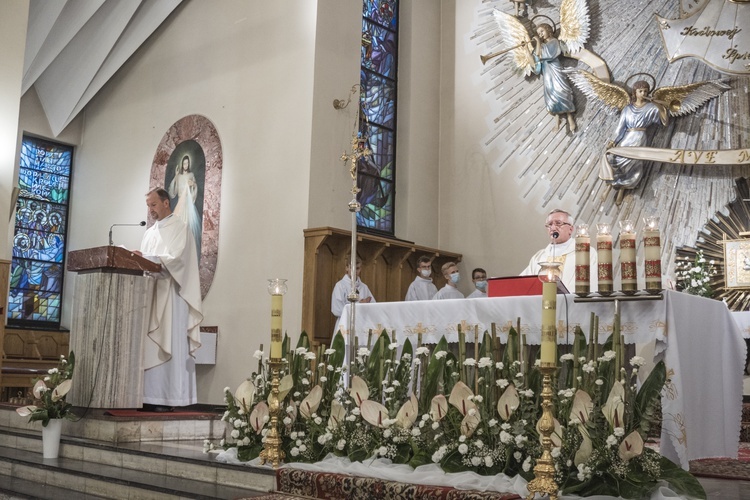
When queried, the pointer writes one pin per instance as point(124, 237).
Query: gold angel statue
point(541, 53)
point(639, 111)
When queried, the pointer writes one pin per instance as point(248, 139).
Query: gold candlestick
point(272, 452)
point(544, 471)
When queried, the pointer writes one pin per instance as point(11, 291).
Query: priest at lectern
point(173, 333)
point(562, 248)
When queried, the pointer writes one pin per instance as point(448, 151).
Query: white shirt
point(448, 292)
point(477, 294)
point(564, 253)
point(339, 297)
point(421, 289)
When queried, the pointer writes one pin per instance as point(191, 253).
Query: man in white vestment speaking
point(562, 248)
point(173, 333)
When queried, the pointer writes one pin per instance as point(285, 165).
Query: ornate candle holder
point(583, 261)
point(544, 470)
point(628, 270)
point(652, 251)
point(604, 257)
point(272, 452)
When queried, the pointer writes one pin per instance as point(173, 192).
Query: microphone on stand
point(142, 223)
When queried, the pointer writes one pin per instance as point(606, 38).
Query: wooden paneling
point(388, 268)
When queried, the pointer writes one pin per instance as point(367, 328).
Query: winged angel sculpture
point(639, 110)
point(541, 54)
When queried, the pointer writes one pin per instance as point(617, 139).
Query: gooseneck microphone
point(142, 223)
point(555, 235)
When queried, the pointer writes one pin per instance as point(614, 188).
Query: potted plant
point(51, 407)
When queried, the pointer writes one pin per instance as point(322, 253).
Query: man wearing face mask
point(452, 277)
point(422, 288)
point(342, 289)
point(479, 277)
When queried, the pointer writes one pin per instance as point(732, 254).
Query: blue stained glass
point(46, 156)
point(43, 185)
point(378, 92)
point(379, 49)
point(34, 214)
point(378, 98)
point(381, 11)
point(36, 278)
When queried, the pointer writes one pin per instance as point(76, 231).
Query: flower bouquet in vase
point(51, 406)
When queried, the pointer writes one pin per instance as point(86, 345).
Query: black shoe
point(156, 408)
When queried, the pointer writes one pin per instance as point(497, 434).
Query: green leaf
point(680, 480)
point(377, 358)
point(433, 375)
point(649, 394)
point(421, 457)
point(403, 368)
point(485, 350)
point(336, 360)
point(511, 348)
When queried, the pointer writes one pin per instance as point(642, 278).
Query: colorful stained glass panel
point(381, 11)
point(382, 144)
point(30, 305)
point(378, 98)
point(377, 209)
point(46, 156)
point(43, 185)
point(379, 49)
point(34, 214)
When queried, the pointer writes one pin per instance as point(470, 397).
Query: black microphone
point(555, 235)
point(142, 223)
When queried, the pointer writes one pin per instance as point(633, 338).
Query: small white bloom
point(363, 351)
point(619, 431)
point(488, 461)
point(599, 381)
point(294, 451)
point(318, 420)
point(323, 380)
point(555, 452)
point(303, 448)
point(287, 421)
point(440, 354)
point(479, 444)
point(415, 431)
point(300, 351)
point(422, 351)
point(293, 435)
point(567, 357)
point(492, 422)
point(611, 440)
point(484, 362)
point(527, 464)
point(435, 425)
point(461, 438)
point(310, 355)
point(502, 383)
point(470, 362)
point(463, 448)
point(341, 444)
point(475, 461)
point(637, 361)
point(382, 451)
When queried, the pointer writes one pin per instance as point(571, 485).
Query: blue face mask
point(481, 286)
point(455, 277)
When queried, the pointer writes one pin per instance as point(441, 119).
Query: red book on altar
point(514, 286)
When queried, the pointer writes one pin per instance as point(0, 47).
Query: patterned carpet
point(724, 468)
point(331, 486)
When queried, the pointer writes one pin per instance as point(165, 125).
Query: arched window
point(38, 264)
point(378, 81)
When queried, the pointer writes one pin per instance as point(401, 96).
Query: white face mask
point(425, 272)
point(481, 286)
point(455, 277)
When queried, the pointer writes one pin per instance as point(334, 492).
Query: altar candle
point(629, 276)
point(549, 315)
point(583, 261)
point(276, 314)
point(652, 254)
point(604, 256)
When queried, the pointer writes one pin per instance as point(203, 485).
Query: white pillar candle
point(628, 272)
point(604, 256)
point(583, 261)
point(652, 254)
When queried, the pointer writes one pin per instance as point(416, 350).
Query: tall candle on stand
point(277, 288)
point(652, 254)
point(583, 261)
point(628, 272)
point(549, 275)
point(604, 258)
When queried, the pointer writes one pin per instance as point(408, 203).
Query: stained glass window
point(36, 274)
point(379, 63)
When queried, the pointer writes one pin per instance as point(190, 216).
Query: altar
point(697, 338)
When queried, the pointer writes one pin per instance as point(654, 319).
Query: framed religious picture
point(737, 263)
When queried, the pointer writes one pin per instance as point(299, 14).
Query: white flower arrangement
point(694, 277)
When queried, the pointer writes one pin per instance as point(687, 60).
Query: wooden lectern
point(111, 310)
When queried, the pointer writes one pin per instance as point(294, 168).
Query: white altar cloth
point(699, 341)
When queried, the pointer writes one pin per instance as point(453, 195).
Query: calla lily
point(259, 416)
point(470, 423)
point(582, 406)
point(310, 404)
point(39, 388)
point(585, 450)
point(374, 413)
point(615, 406)
point(438, 408)
point(285, 385)
point(407, 414)
point(460, 398)
point(359, 390)
point(556, 435)
point(338, 413)
point(508, 402)
point(25, 411)
point(631, 446)
point(61, 390)
point(245, 394)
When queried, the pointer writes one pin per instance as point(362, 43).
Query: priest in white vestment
point(173, 333)
point(562, 248)
point(342, 289)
